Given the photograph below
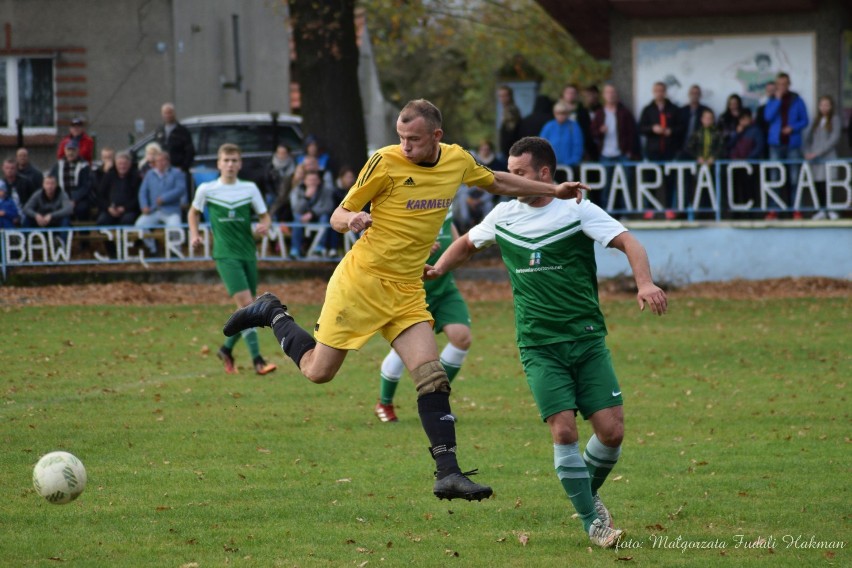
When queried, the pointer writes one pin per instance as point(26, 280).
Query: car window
point(250, 137)
point(195, 134)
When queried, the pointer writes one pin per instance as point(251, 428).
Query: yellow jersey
point(408, 204)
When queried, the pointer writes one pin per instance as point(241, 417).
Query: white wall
point(681, 254)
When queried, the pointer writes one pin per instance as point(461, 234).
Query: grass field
point(738, 423)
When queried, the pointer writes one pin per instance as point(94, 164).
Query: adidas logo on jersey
point(409, 182)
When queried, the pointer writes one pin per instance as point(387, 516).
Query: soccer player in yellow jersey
point(377, 287)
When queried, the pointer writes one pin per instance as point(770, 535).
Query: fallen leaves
point(313, 291)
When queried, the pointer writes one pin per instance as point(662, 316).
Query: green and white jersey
point(229, 209)
point(440, 285)
point(549, 252)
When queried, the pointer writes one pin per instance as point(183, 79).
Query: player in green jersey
point(230, 203)
point(548, 248)
point(452, 317)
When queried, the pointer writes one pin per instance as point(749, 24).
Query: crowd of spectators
point(583, 125)
point(109, 191)
point(304, 190)
point(300, 188)
point(593, 125)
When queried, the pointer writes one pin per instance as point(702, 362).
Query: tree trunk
point(327, 71)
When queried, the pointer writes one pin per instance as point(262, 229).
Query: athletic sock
point(600, 459)
point(440, 427)
point(294, 340)
point(392, 369)
point(250, 335)
point(231, 341)
point(451, 359)
point(574, 477)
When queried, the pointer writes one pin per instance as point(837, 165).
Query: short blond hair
point(561, 106)
point(229, 148)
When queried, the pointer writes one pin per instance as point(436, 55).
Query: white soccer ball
point(59, 477)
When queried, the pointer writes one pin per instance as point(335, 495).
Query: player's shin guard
point(574, 477)
point(600, 460)
point(294, 340)
point(433, 406)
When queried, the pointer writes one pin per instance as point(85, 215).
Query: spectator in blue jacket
point(9, 214)
point(161, 196)
point(787, 117)
point(564, 135)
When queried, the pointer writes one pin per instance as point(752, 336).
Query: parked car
point(256, 133)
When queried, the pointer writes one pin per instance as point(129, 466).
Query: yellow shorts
point(358, 305)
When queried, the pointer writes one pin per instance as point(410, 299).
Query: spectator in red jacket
point(663, 134)
point(77, 131)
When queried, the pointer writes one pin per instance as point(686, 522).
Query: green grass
point(738, 423)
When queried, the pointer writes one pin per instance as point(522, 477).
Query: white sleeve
point(200, 199)
point(257, 202)
point(597, 224)
point(485, 233)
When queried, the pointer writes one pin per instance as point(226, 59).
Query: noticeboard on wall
point(723, 65)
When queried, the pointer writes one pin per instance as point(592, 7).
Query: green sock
point(231, 341)
point(388, 389)
point(600, 460)
point(252, 342)
point(392, 369)
point(451, 371)
point(452, 359)
point(574, 477)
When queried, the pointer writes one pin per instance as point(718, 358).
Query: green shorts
point(573, 375)
point(448, 308)
point(238, 274)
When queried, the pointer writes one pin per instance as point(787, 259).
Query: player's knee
point(563, 434)
point(462, 342)
point(563, 427)
point(459, 336)
point(430, 377)
point(317, 375)
point(319, 378)
point(611, 436)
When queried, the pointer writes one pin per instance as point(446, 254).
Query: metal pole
point(235, 20)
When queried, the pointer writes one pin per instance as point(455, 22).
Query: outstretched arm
point(456, 254)
point(510, 184)
point(649, 292)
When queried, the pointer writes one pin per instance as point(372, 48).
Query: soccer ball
point(59, 477)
